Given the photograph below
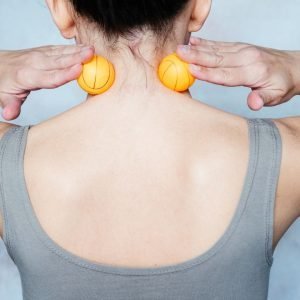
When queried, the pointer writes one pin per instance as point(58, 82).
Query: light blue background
point(272, 23)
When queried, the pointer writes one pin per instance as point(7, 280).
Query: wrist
point(3, 61)
point(294, 69)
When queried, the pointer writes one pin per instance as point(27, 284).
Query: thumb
point(12, 110)
point(257, 99)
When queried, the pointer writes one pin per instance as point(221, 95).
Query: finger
point(211, 59)
point(65, 51)
point(214, 48)
point(221, 76)
point(196, 41)
point(61, 50)
point(12, 110)
point(54, 79)
point(67, 60)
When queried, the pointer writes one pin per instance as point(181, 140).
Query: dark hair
point(121, 17)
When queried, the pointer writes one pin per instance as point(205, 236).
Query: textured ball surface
point(97, 76)
point(174, 74)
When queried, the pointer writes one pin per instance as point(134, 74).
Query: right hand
point(273, 75)
point(29, 70)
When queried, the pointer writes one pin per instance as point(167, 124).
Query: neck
point(136, 64)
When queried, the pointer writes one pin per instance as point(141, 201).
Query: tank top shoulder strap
point(266, 144)
point(12, 146)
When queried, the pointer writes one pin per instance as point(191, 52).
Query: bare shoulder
point(4, 127)
point(234, 132)
point(225, 131)
point(287, 202)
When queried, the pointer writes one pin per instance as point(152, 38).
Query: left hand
point(273, 75)
point(46, 67)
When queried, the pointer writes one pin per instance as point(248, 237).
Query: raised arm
point(273, 75)
point(47, 67)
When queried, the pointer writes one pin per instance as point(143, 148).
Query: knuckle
point(253, 53)
point(59, 62)
point(263, 69)
point(26, 78)
point(21, 75)
point(225, 77)
point(219, 59)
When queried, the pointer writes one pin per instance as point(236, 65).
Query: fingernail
point(194, 68)
point(184, 48)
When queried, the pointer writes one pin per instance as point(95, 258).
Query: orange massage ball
point(174, 74)
point(97, 76)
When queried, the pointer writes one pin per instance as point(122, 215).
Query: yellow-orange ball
point(97, 76)
point(174, 73)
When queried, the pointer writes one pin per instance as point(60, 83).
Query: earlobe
point(199, 15)
point(63, 18)
point(69, 33)
point(194, 26)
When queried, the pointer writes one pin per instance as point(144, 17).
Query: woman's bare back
point(141, 190)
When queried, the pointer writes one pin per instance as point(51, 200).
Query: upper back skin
point(133, 188)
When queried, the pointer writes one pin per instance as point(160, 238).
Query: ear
point(199, 14)
point(63, 18)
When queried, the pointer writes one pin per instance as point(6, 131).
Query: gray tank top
point(237, 266)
